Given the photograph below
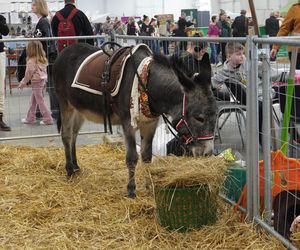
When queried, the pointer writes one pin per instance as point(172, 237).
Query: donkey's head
point(196, 122)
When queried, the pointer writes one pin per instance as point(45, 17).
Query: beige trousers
point(2, 79)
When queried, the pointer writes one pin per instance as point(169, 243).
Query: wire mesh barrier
point(17, 101)
point(257, 117)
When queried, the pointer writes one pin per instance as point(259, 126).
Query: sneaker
point(219, 64)
point(213, 64)
point(24, 121)
point(46, 123)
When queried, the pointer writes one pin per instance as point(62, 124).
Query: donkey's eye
point(199, 118)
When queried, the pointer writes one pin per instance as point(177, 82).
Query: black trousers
point(297, 61)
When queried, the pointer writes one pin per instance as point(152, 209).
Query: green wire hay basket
point(183, 209)
point(186, 189)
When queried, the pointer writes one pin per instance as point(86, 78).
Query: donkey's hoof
point(76, 169)
point(70, 173)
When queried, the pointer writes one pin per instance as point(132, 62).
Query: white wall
point(263, 7)
point(136, 7)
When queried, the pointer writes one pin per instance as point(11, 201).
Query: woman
point(290, 25)
point(146, 28)
point(43, 29)
point(131, 31)
point(213, 31)
point(225, 31)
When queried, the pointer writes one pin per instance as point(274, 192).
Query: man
point(4, 30)
point(107, 26)
point(80, 21)
point(182, 24)
point(272, 24)
point(240, 25)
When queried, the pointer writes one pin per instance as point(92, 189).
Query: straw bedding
point(42, 209)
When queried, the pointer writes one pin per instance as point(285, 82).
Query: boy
point(234, 68)
point(234, 72)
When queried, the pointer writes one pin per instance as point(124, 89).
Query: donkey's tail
point(58, 122)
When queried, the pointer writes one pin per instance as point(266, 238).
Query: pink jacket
point(35, 72)
point(213, 30)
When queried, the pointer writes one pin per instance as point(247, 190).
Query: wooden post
point(254, 17)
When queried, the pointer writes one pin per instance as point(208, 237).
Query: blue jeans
point(214, 53)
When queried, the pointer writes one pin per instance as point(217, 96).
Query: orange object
point(290, 167)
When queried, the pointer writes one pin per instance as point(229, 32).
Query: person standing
point(182, 24)
point(225, 31)
point(43, 29)
point(272, 25)
point(213, 31)
point(240, 25)
point(80, 21)
point(36, 72)
point(290, 25)
point(131, 30)
point(4, 30)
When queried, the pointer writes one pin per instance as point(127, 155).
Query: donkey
point(188, 102)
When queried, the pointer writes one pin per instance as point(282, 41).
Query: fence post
point(249, 178)
point(252, 133)
point(267, 116)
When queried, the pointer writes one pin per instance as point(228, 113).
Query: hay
point(295, 237)
point(188, 171)
point(42, 209)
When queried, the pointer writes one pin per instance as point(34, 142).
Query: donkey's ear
point(186, 82)
point(204, 78)
point(205, 62)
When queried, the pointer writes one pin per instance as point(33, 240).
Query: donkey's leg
point(131, 157)
point(67, 122)
point(147, 132)
point(77, 124)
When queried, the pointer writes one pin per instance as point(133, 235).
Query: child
point(36, 72)
point(234, 71)
point(234, 67)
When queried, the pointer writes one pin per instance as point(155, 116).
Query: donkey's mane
point(162, 60)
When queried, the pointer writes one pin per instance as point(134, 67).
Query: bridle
point(189, 137)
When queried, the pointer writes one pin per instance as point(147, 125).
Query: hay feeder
point(183, 209)
point(186, 191)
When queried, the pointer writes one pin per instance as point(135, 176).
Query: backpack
point(66, 28)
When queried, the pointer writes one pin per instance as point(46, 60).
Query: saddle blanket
point(139, 100)
point(89, 75)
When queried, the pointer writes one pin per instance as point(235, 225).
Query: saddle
point(101, 72)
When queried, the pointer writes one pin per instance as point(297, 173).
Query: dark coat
point(182, 25)
point(4, 30)
point(131, 29)
point(240, 26)
point(80, 21)
point(225, 29)
point(43, 29)
point(272, 26)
